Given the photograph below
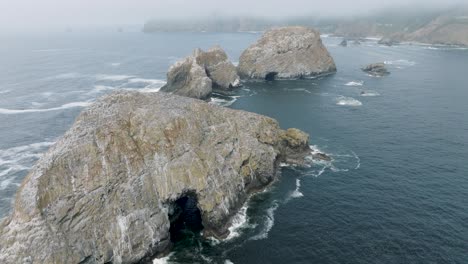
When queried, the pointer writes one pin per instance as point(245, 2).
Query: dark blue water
point(396, 191)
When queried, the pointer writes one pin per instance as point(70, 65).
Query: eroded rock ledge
point(103, 192)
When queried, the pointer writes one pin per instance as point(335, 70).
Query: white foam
point(355, 83)
point(17, 155)
point(297, 193)
point(143, 90)
point(400, 63)
point(299, 90)
point(227, 261)
point(235, 63)
point(358, 160)
point(38, 110)
point(223, 102)
point(348, 101)
point(269, 222)
point(5, 91)
point(100, 89)
point(238, 221)
point(163, 260)
point(110, 77)
point(370, 93)
point(115, 64)
point(18, 159)
point(142, 80)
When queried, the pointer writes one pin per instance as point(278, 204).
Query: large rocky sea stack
point(286, 53)
point(106, 192)
point(197, 75)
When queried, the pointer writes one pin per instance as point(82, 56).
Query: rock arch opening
point(185, 218)
point(271, 76)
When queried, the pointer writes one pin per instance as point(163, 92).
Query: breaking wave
point(238, 222)
point(369, 93)
point(355, 83)
point(348, 101)
point(297, 193)
point(269, 222)
point(163, 260)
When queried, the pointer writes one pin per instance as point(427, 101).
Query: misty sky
point(23, 14)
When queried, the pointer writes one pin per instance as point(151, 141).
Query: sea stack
point(106, 192)
point(286, 53)
point(197, 75)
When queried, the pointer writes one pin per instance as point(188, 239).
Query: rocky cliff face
point(286, 53)
point(103, 192)
point(196, 76)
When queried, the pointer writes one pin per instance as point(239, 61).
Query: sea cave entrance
point(271, 76)
point(185, 218)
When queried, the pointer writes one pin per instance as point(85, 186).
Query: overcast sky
point(17, 14)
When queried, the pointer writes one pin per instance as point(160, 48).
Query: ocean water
point(396, 190)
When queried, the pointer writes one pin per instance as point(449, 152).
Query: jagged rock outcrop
point(286, 53)
point(220, 70)
point(376, 69)
point(188, 78)
point(103, 192)
point(197, 75)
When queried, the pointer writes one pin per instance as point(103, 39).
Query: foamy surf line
point(25, 111)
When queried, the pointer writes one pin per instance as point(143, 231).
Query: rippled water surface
point(395, 192)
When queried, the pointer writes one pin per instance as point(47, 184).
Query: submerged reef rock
point(344, 43)
point(286, 53)
point(196, 76)
point(111, 189)
point(376, 69)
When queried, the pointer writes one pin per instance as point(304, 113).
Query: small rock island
point(286, 53)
